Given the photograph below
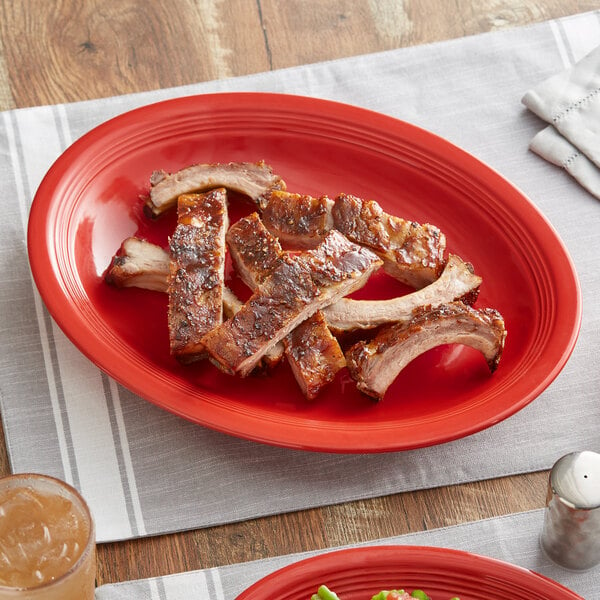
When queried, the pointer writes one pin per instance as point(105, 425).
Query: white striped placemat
point(147, 472)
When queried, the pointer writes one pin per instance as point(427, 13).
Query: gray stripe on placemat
point(52, 380)
point(64, 137)
point(160, 589)
point(114, 425)
point(64, 424)
point(215, 587)
point(71, 470)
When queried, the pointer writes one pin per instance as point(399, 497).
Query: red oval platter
point(89, 201)
point(442, 573)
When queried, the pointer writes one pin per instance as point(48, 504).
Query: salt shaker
point(571, 529)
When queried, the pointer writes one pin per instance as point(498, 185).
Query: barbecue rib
point(299, 286)
point(231, 305)
point(252, 179)
point(313, 353)
point(253, 250)
point(298, 220)
point(254, 253)
point(375, 364)
point(142, 264)
point(457, 282)
point(197, 265)
point(139, 263)
point(412, 253)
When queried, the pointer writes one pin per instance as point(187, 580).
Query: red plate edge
point(51, 289)
point(420, 561)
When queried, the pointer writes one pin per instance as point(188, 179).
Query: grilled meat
point(252, 179)
point(253, 250)
point(313, 353)
point(412, 253)
point(299, 286)
point(254, 253)
point(457, 282)
point(298, 298)
point(375, 364)
point(139, 263)
point(299, 221)
point(197, 265)
point(142, 264)
point(231, 305)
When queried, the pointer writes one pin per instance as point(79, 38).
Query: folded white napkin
point(570, 102)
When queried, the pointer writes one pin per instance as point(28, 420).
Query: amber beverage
point(47, 540)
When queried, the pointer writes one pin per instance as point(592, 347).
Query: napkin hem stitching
point(575, 105)
point(570, 159)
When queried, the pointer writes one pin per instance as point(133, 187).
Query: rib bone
point(252, 179)
point(457, 282)
point(139, 263)
point(375, 364)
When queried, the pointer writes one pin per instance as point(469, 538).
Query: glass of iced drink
point(47, 540)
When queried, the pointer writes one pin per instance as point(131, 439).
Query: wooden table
point(52, 52)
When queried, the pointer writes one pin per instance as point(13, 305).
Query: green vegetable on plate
point(324, 593)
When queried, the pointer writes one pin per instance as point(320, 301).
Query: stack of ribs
point(300, 258)
point(312, 351)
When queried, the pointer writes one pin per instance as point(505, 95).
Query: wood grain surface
point(68, 50)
